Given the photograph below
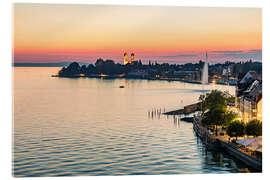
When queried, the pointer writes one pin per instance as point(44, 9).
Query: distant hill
point(56, 64)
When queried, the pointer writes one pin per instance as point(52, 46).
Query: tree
point(213, 107)
point(213, 99)
point(236, 129)
point(214, 104)
point(83, 69)
point(99, 62)
point(72, 69)
point(254, 128)
point(229, 116)
point(214, 117)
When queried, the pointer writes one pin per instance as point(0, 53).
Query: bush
point(236, 129)
point(254, 128)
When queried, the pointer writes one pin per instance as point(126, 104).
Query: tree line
point(111, 68)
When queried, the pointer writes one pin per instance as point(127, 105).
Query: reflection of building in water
point(126, 61)
point(187, 75)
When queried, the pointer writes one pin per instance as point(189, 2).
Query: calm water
point(92, 127)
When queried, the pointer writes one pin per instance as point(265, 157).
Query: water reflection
point(89, 126)
point(212, 159)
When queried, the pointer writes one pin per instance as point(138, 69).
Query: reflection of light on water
point(103, 75)
point(103, 126)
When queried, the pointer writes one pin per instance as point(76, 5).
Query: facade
point(126, 60)
point(259, 110)
point(249, 97)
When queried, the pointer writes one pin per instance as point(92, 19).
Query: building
point(249, 97)
point(126, 60)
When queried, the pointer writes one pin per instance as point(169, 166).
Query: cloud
point(227, 52)
point(179, 56)
point(48, 58)
point(255, 54)
point(255, 51)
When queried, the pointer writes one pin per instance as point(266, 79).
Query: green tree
point(236, 129)
point(213, 107)
point(214, 117)
point(212, 99)
point(254, 128)
point(229, 116)
point(215, 98)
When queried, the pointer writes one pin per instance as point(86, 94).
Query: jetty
point(186, 110)
point(187, 119)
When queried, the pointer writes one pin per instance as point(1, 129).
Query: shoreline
point(219, 143)
point(138, 78)
point(216, 143)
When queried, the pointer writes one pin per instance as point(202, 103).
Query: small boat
point(121, 86)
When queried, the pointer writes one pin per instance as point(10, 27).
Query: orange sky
point(48, 33)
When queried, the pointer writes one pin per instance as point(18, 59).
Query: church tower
point(125, 58)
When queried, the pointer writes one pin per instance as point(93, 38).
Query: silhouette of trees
point(73, 69)
point(111, 68)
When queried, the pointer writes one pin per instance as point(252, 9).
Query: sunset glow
point(54, 33)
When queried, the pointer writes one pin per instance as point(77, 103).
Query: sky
point(173, 34)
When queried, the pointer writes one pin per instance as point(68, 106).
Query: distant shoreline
point(116, 77)
point(55, 64)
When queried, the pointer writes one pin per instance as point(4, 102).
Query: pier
point(189, 109)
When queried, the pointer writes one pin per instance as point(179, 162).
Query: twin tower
point(126, 61)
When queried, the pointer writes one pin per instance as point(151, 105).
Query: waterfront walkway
point(240, 152)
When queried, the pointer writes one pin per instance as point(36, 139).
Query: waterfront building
point(249, 97)
point(187, 75)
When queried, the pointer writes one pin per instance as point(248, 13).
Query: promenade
point(242, 153)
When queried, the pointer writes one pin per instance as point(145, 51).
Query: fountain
point(205, 71)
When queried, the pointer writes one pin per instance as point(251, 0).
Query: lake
point(88, 127)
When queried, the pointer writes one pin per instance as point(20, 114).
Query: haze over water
point(92, 127)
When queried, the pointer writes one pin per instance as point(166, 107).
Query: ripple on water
point(89, 127)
